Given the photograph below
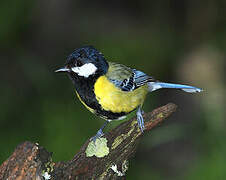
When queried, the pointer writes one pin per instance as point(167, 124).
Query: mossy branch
point(107, 159)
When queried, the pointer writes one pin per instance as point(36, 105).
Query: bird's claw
point(98, 135)
point(140, 119)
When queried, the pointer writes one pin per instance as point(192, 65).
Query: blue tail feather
point(158, 85)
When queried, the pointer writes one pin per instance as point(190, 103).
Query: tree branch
point(107, 159)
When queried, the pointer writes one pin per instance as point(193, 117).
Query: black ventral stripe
point(85, 89)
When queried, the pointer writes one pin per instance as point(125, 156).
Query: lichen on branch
point(106, 159)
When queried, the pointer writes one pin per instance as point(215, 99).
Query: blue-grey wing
point(140, 78)
point(132, 80)
point(126, 84)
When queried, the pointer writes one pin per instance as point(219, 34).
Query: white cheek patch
point(86, 70)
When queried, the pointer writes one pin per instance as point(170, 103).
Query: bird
point(111, 90)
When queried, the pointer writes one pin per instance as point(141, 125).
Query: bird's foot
point(142, 111)
point(98, 135)
point(140, 119)
point(100, 132)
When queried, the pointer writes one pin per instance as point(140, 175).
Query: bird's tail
point(152, 86)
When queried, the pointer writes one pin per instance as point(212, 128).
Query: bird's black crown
point(88, 54)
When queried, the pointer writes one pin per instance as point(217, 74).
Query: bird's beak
point(64, 69)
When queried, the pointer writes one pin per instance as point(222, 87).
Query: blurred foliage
point(175, 41)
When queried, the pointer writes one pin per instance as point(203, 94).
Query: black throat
point(85, 89)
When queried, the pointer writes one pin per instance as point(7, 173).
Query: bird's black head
point(85, 62)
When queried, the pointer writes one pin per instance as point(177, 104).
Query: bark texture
point(106, 159)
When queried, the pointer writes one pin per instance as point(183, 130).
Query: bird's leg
point(142, 111)
point(140, 119)
point(100, 132)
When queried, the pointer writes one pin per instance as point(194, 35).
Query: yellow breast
point(114, 99)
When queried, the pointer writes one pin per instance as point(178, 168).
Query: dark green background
point(180, 41)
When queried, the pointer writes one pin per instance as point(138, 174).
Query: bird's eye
point(78, 63)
